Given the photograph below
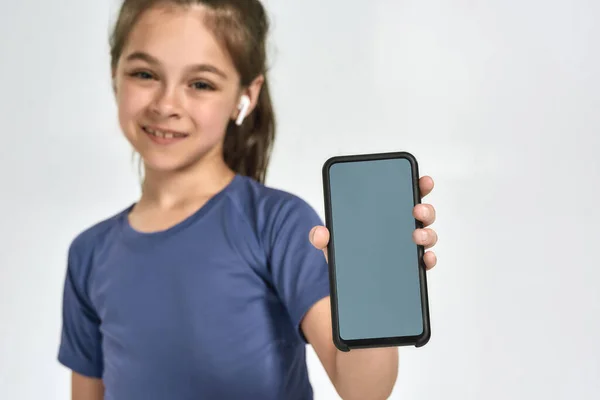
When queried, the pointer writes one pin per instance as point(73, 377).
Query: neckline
point(130, 233)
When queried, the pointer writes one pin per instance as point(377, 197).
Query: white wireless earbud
point(243, 107)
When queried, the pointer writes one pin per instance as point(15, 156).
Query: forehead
point(177, 37)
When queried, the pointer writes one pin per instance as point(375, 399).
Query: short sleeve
point(299, 270)
point(80, 343)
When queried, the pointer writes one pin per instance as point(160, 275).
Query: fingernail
point(424, 235)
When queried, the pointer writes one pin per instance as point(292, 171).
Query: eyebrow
point(140, 55)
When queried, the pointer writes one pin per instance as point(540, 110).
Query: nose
point(166, 103)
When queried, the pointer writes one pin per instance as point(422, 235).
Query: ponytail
point(247, 148)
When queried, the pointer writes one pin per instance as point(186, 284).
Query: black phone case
point(417, 341)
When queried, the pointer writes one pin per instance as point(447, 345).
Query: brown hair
point(241, 26)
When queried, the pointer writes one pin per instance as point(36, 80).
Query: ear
point(253, 92)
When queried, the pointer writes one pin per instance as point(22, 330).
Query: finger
point(425, 237)
point(425, 185)
point(430, 260)
point(424, 213)
point(319, 237)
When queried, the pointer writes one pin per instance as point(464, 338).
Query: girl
point(211, 285)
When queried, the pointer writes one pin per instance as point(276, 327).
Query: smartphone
point(377, 276)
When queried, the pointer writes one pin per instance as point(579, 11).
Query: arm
point(84, 388)
point(366, 373)
point(300, 275)
point(80, 348)
point(363, 374)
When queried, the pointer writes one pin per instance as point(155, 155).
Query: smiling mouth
point(164, 134)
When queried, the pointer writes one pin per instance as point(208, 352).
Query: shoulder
point(273, 212)
point(91, 239)
point(268, 207)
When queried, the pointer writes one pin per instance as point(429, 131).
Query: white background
point(497, 99)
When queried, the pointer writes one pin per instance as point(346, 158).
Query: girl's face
point(176, 89)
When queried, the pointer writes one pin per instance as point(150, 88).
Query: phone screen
point(376, 259)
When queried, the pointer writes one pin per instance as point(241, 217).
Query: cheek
point(211, 117)
point(131, 102)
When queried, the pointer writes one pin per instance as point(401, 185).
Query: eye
point(200, 85)
point(142, 75)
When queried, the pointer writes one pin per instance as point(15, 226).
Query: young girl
point(211, 285)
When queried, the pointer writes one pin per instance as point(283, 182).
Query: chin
point(164, 164)
point(173, 162)
point(173, 157)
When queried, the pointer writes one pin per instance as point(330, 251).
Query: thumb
point(319, 237)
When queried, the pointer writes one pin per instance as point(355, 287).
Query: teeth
point(165, 135)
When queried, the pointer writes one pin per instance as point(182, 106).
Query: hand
point(425, 213)
point(427, 237)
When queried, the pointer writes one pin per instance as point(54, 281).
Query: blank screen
point(376, 259)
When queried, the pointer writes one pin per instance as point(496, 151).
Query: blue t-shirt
point(208, 309)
